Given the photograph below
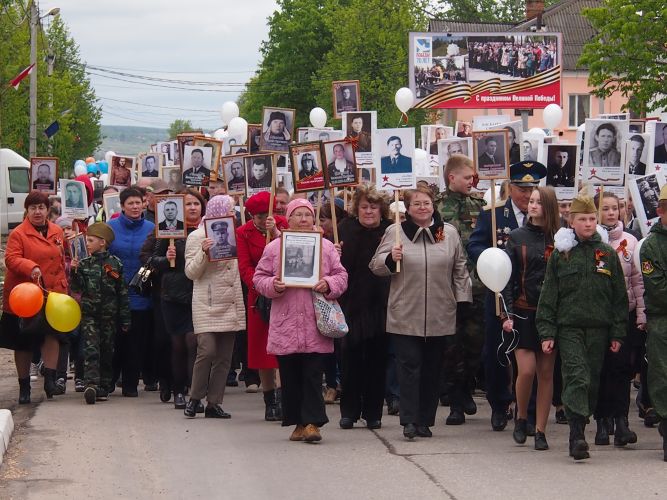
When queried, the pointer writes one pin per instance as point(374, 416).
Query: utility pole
point(50, 59)
point(34, 24)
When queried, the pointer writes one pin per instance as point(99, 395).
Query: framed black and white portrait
point(221, 231)
point(74, 199)
point(308, 162)
point(602, 151)
point(346, 97)
point(216, 152)
point(659, 142)
point(149, 164)
point(277, 129)
point(341, 167)
point(196, 165)
point(111, 203)
point(77, 246)
point(645, 192)
point(394, 151)
point(170, 216)
point(258, 173)
point(463, 129)
point(122, 171)
point(165, 149)
point(490, 155)
point(635, 154)
point(184, 139)
point(233, 174)
point(254, 135)
point(300, 258)
point(43, 174)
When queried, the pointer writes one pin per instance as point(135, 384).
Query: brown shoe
point(330, 396)
point(312, 434)
point(297, 434)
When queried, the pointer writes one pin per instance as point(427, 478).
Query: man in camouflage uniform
point(104, 308)
point(462, 359)
point(582, 311)
point(653, 256)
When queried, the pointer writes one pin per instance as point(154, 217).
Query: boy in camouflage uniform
point(653, 256)
point(583, 308)
point(462, 359)
point(104, 307)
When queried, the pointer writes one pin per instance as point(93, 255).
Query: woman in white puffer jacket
point(611, 413)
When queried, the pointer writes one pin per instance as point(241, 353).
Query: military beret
point(527, 173)
point(101, 230)
point(259, 203)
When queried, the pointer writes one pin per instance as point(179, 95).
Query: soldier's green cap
point(101, 230)
point(583, 203)
point(663, 193)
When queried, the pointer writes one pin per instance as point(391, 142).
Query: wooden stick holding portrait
point(398, 225)
point(334, 222)
point(272, 199)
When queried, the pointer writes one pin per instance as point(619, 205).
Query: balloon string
point(513, 343)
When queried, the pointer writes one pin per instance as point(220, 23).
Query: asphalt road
point(141, 448)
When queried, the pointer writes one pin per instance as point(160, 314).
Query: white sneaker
point(252, 388)
point(34, 371)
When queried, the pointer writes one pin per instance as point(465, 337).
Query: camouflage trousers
point(582, 352)
point(656, 352)
point(463, 357)
point(98, 342)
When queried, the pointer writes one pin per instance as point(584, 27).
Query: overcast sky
point(195, 40)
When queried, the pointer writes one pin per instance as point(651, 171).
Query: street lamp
point(34, 24)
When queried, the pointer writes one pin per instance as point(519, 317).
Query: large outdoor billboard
point(485, 70)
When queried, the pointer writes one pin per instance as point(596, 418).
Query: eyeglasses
point(420, 204)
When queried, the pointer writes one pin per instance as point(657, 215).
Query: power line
point(159, 107)
point(176, 72)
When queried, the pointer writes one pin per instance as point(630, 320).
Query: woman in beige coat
point(218, 314)
point(423, 297)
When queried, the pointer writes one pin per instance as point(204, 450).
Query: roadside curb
point(6, 430)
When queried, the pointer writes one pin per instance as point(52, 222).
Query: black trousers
point(496, 376)
point(162, 347)
point(134, 354)
point(418, 363)
point(363, 370)
point(301, 380)
point(615, 377)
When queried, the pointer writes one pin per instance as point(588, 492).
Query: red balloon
point(26, 299)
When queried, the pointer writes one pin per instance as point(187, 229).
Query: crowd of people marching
point(581, 319)
point(514, 59)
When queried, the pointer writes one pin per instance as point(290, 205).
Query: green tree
point(486, 10)
point(298, 40)
point(370, 44)
point(179, 126)
point(629, 53)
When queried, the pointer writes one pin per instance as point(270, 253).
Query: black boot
point(602, 434)
point(24, 391)
point(578, 444)
point(520, 433)
point(279, 403)
point(662, 428)
point(270, 412)
point(623, 434)
point(50, 383)
point(611, 428)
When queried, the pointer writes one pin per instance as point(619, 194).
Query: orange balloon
point(26, 299)
point(90, 159)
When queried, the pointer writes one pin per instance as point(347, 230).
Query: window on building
point(580, 109)
point(18, 180)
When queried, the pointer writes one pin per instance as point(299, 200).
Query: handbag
point(263, 307)
point(141, 283)
point(330, 318)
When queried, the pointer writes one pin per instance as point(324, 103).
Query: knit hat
point(276, 115)
point(583, 203)
point(298, 203)
point(258, 203)
point(64, 222)
point(101, 230)
point(663, 193)
point(218, 206)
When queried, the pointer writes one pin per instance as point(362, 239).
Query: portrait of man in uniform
point(221, 231)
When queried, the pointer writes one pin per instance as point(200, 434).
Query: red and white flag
point(21, 76)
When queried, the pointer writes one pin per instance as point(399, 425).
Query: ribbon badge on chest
point(601, 266)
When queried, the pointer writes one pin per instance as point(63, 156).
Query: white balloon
point(494, 268)
point(318, 117)
point(105, 179)
point(487, 196)
point(421, 162)
point(636, 260)
point(108, 155)
point(228, 112)
point(404, 99)
point(537, 130)
point(552, 115)
point(237, 127)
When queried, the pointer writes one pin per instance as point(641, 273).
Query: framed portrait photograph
point(360, 127)
point(77, 246)
point(645, 192)
point(216, 152)
point(233, 174)
point(74, 199)
point(367, 175)
point(324, 134)
point(196, 165)
point(170, 216)
point(602, 151)
point(300, 258)
point(175, 153)
point(448, 148)
point(43, 174)
point(562, 169)
point(111, 204)
point(258, 173)
point(490, 155)
point(122, 169)
point(240, 149)
point(185, 139)
point(149, 164)
point(634, 155)
point(463, 129)
point(394, 152)
point(277, 129)
point(346, 96)
point(341, 167)
point(637, 126)
point(172, 176)
point(431, 134)
point(308, 171)
point(254, 135)
point(165, 149)
point(659, 143)
point(221, 231)
point(531, 146)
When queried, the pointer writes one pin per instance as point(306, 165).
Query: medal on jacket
point(600, 264)
point(110, 271)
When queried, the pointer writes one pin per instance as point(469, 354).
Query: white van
point(14, 188)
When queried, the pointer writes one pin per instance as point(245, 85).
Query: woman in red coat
point(34, 253)
point(250, 241)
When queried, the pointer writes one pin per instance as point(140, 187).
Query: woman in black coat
point(364, 348)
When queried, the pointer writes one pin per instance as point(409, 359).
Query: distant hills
point(129, 140)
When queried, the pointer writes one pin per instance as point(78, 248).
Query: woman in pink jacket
point(611, 413)
point(293, 334)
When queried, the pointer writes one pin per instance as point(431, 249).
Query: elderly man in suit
point(395, 162)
